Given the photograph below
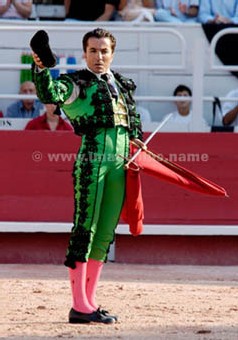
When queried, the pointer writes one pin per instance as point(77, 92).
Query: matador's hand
point(37, 60)
point(139, 143)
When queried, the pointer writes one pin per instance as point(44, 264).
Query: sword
point(164, 121)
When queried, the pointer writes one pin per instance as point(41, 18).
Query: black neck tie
point(111, 86)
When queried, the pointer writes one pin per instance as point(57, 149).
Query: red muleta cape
point(159, 167)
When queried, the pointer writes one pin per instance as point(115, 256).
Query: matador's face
point(99, 54)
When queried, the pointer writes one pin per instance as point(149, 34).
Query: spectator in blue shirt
point(26, 108)
point(218, 11)
point(176, 11)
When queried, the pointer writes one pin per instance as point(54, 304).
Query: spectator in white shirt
point(15, 9)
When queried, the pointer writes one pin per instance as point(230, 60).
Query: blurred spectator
point(50, 120)
point(181, 118)
point(136, 10)
point(91, 10)
point(177, 11)
point(218, 11)
point(15, 9)
point(183, 113)
point(230, 109)
point(26, 108)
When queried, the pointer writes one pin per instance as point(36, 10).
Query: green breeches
point(99, 187)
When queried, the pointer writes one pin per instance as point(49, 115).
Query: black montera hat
point(40, 45)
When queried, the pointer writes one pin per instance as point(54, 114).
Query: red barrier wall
point(179, 250)
point(35, 187)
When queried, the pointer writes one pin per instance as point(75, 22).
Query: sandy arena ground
point(152, 302)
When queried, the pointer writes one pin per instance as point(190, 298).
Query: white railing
point(214, 42)
point(143, 31)
point(213, 64)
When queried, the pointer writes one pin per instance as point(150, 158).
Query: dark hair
point(181, 88)
point(99, 33)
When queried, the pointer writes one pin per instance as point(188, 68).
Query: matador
point(100, 106)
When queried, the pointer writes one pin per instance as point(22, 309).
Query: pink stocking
point(94, 269)
point(78, 286)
